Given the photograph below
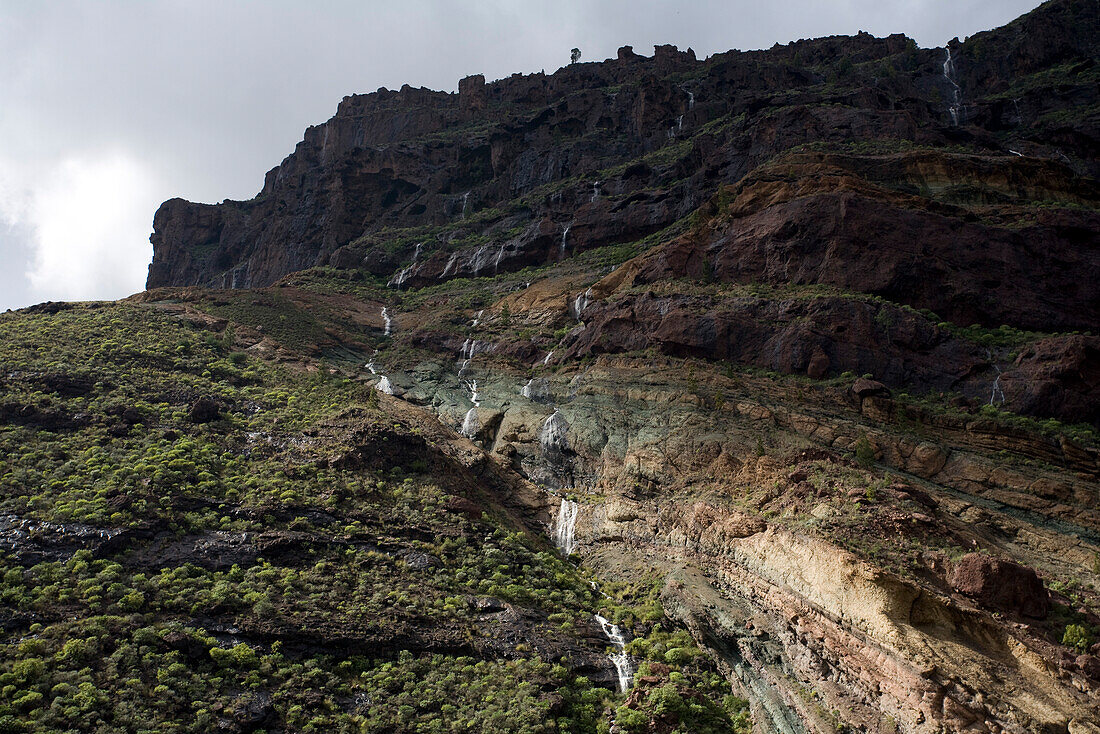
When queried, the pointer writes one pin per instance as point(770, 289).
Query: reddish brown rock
point(415, 157)
point(471, 92)
point(782, 335)
point(819, 364)
point(810, 218)
point(1089, 665)
point(1057, 376)
point(865, 388)
point(1001, 585)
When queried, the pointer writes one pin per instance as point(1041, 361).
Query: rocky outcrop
point(819, 333)
point(529, 169)
point(204, 410)
point(815, 333)
point(815, 219)
point(1057, 376)
point(1000, 584)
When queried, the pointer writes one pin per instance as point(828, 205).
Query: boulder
point(1001, 585)
point(865, 388)
point(819, 364)
point(204, 410)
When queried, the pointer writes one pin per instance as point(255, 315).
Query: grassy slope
point(353, 604)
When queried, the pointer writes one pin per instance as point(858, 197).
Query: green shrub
point(864, 451)
point(1077, 637)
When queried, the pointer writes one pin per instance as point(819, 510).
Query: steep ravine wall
point(815, 635)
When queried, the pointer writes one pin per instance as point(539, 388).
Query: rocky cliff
point(956, 181)
point(791, 352)
point(531, 168)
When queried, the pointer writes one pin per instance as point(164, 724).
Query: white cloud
point(90, 218)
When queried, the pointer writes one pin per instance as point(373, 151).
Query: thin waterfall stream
point(623, 665)
point(565, 526)
point(955, 108)
point(565, 534)
point(383, 384)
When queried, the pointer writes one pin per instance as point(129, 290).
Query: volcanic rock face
point(832, 164)
point(777, 324)
point(818, 219)
point(613, 151)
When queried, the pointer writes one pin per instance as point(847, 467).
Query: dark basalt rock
point(864, 388)
point(204, 410)
point(33, 416)
point(1001, 585)
point(1057, 376)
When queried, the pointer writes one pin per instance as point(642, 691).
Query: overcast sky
point(109, 108)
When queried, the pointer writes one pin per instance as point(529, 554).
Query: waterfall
point(564, 234)
point(477, 261)
point(565, 526)
point(400, 278)
point(691, 100)
point(565, 538)
point(499, 257)
point(955, 108)
point(537, 389)
point(595, 191)
point(469, 349)
point(581, 303)
point(465, 200)
point(679, 124)
point(554, 434)
point(470, 424)
point(621, 660)
point(383, 384)
point(997, 393)
point(450, 265)
point(546, 359)
point(387, 320)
